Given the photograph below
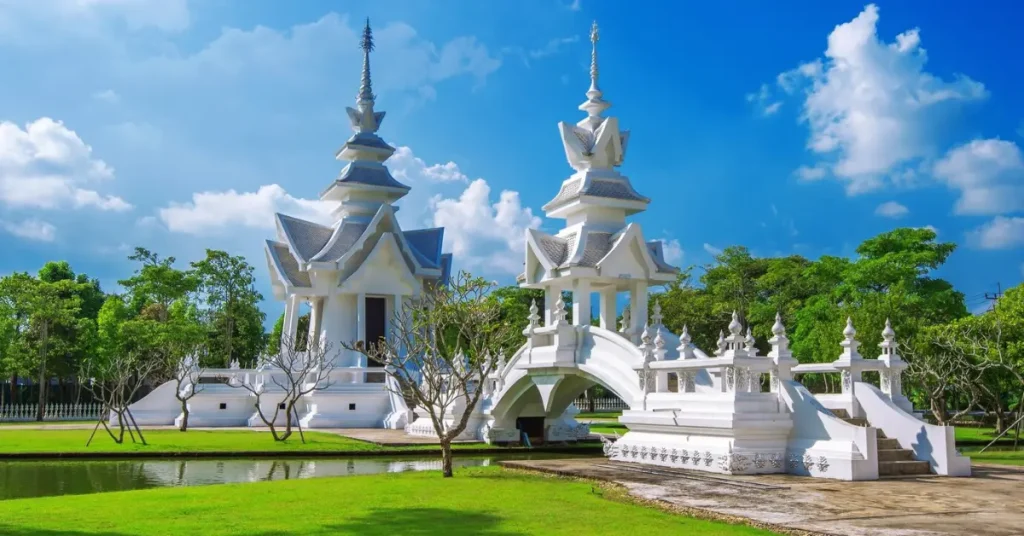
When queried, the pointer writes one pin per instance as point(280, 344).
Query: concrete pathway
point(991, 503)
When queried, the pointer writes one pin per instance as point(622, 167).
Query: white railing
point(600, 404)
point(52, 412)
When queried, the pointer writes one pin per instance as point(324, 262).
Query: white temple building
point(732, 411)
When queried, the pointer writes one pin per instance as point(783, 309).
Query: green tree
point(157, 284)
point(233, 316)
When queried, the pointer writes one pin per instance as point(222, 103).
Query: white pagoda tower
point(355, 272)
point(596, 250)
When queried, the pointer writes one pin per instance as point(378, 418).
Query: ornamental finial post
point(595, 36)
point(365, 85)
point(595, 104)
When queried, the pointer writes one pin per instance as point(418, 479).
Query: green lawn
point(983, 435)
point(36, 423)
point(173, 441)
point(997, 455)
point(478, 501)
point(599, 415)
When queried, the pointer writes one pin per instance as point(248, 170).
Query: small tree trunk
point(14, 389)
point(446, 458)
point(41, 409)
point(184, 416)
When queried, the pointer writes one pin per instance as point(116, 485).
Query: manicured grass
point(599, 415)
point(982, 435)
point(609, 428)
point(173, 442)
point(997, 455)
point(36, 423)
point(478, 501)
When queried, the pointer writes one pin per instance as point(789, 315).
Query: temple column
point(551, 293)
point(290, 328)
point(316, 316)
point(638, 308)
point(361, 326)
point(606, 304)
point(581, 302)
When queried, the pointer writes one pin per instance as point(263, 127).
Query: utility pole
point(994, 297)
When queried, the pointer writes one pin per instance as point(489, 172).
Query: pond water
point(23, 479)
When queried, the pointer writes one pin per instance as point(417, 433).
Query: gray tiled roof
point(554, 248)
point(658, 254)
point(608, 188)
point(345, 236)
point(371, 175)
point(427, 244)
point(597, 245)
point(286, 261)
point(367, 139)
point(307, 238)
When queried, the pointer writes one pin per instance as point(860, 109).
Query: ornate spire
point(595, 103)
point(365, 85)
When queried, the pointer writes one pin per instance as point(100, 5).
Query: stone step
point(895, 455)
point(856, 421)
point(900, 468)
point(885, 443)
point(841, 413)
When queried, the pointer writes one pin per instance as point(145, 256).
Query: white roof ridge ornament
point(595, 103)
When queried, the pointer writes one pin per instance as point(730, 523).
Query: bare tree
point(292, 374)
point(949, 361)
point(114, 381)
point(439, 352)
point(186, 376)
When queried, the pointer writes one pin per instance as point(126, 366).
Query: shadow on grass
point(382, 521)
point(392, 521)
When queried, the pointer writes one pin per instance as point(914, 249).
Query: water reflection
point(21, 479)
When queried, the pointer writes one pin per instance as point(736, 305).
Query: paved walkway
point(991, 503)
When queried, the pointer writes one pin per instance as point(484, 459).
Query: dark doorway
point(533, 427)
point(376, 321)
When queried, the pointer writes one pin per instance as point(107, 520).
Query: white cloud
point(45, 165)
point(712, 250)
point(891, 209)
point(31, 229)
point(673, 251)
point(211, 213)
point(34, 22)
point(574, 5)
point(553, 46)
point(763, 100)
point(989, 175)
point(484, 236)
point(108, 96)
point(870, 104)
point(808, 174)
point(1000, 233)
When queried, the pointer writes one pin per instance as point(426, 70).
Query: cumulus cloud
point(37, 21)
point(989, 175)
point(1000, 233)
point(31, 229)
point(673, 251)
point(211, 213)
point(764, 101)
point(47, 166)
point(869, 103)
point(482, 235)
point(485, 235)
point(891, 209)
point(806, 173)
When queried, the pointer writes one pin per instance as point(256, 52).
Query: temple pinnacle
point(366, 86)
point(595, 104)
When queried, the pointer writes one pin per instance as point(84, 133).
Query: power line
point(994, 297)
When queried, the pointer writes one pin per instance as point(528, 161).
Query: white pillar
point(290, 328)
point(581, 302)
point(361, 325)
point(316, 315)
point(551, 294)
point(606, 304)
point(638, 307)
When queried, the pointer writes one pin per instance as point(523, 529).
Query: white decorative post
point(720, 350)
point(625, 324)
point(892, 376)
point(753, 379)
point(686, 382)
point(733, 377)
point(638, 308)
point(850, 365)
point(661, 382)
point(646, 378)
point(780, 355)
point(531, 327)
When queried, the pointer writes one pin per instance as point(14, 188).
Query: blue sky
point(793, 127)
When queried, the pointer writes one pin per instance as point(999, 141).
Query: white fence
point(600, 404)
point(53, 412)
